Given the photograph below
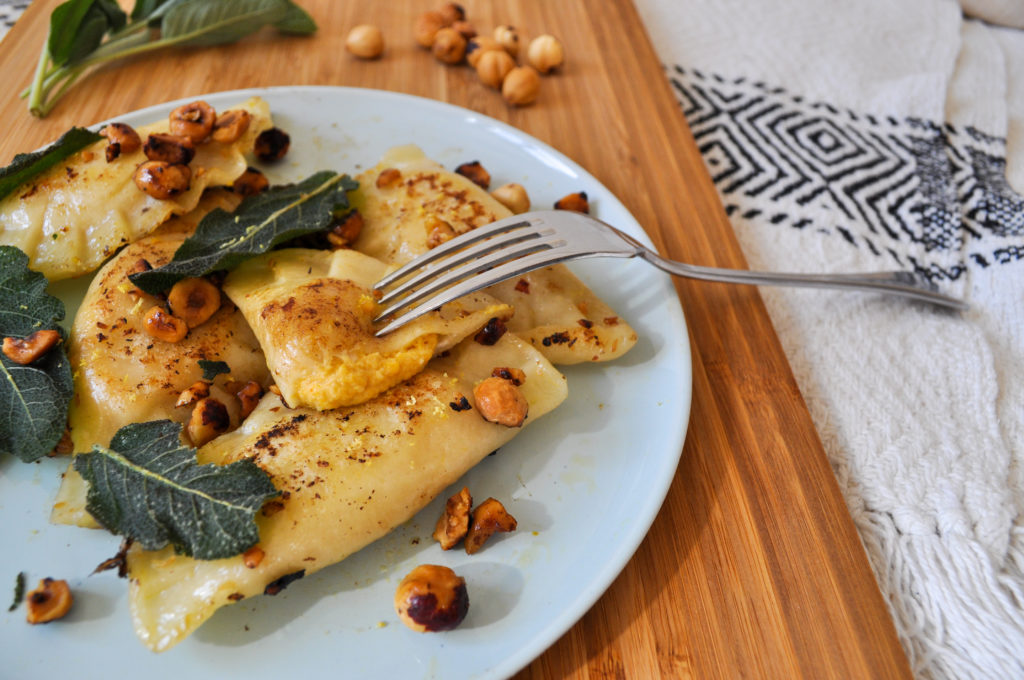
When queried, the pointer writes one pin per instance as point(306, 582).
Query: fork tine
point(490, 277)
point(473, 252)
point(460, 241)
point(448, 277)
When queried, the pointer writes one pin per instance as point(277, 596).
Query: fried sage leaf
point(147, 486)
point(34, 398)
point(223, 240)
point(27, 166)
point(211, 369)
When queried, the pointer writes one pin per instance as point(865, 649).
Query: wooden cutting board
point(753, 567)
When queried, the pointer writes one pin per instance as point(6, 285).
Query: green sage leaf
point(296, 21)
point(27, 166)
point(148, 487)
point(65, 22)
point(202, 23)
point(19, 591)
point(34, 398)
point(223, 240)
point(211, 369)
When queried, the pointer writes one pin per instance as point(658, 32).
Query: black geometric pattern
point(923, 194)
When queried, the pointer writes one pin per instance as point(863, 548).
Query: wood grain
point(753, 567)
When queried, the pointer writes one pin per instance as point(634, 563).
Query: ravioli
point(312, 311)
point(347, 476)
point(555, 311)
point(122, 375)
point(74, 216)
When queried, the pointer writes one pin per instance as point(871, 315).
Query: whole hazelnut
point(512, 196)
point(426, 27)
point(476, 47)
point(431, 598)
point(493, 66)
point(365, 41)
point(545, 53)
point(452, 12)
point(508, 38)
point(465, 29)
point(449, 46)
point(521, 86)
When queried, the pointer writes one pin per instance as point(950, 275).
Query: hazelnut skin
point(431, 598)
point(521, 86)
point(545, 53)
point(365, 41)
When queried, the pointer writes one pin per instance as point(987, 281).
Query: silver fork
point(521, 243)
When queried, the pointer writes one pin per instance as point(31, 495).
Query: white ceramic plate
point(585, 482)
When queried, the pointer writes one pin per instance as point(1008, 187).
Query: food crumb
point(19, 591)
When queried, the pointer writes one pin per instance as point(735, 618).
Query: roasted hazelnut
point(121, 139)
point(513, 196)
point(162, 180)
point(50, 601)
point(253, 557)
point(465, 29)
point(194, 300)
point(449, 46)
point(250, 182)
point(389, 178)
point(521, 86)
point(26, 350)
point(475, 173)
point(272, 145)
point(209, 419)
point(426, 27)
point(516, 376)
point(140, 265)
point(501, 402)
point(249, 397)
point(194, 121)
point(451, 12)
point(491, 332)
point(200, 389)
point(493, 66)
point(230, 126)
point(365, 41)
point(478, 46)
point(174, 149)
point(453, 523)
point(432, 598)
point(438, 231)
point(488, 517)
point(348, 229)
point(545, 53)
point(576, 201)
point(162, 326)
point(508, 38)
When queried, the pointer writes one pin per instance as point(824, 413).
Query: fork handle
point(896, 283)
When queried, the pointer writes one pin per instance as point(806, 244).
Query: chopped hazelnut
point(438, 231)
point(491, 332)
point(426, 27)
point(122, 139)
point(576, 201)
point(209, 419)
point(389, 178)
point(545, 53)
point(475, 173)
point(249, 397)
point(199, 390)
point(174, 149)
point(26, 350)
point(501, 402)
point(194, 300)
point(513, 196)
point(250, 182)
point(516, 376)
point(253, 556)
point(348, 229)
point(521, 86)
point(162, 180)
point(365, 41)
point(478, 46)
point(449, 46)
point(163, 326)
point(272, 145)
point(508, 38)
point(431, 598)
point(488, 518)
point(453, 523)
point(493, 66)
point(194, 121)
point(50, 601)
point(451, 12)
point(230, 126)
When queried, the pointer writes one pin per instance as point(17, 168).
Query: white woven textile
point(879, 135)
